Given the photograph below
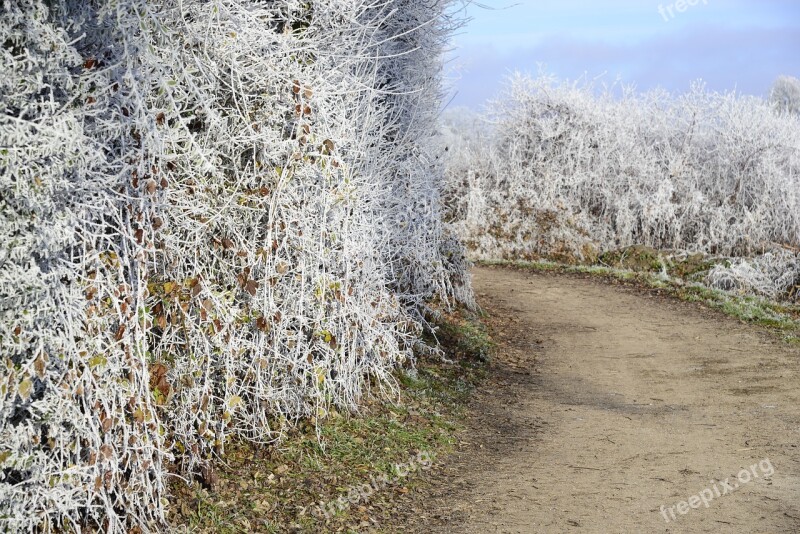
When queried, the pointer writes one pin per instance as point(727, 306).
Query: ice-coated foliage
point(78, 434)
point(215, 218)
point(785, 95)
point(567, 170)
point(774, 274)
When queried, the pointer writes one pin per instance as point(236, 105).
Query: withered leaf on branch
point(251, 287)
point(262, 324)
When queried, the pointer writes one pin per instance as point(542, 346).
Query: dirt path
point(606, 403)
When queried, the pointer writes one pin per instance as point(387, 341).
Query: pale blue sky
point(730, 44)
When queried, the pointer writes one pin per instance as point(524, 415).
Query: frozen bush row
point(215, 218)
point(566, 170)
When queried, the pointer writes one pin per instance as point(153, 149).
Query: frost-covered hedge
point(215, 218)
point(568, 170)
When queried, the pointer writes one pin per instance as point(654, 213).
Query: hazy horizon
point(730, 45)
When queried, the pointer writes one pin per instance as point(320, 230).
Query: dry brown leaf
point(251, 287)
point(40, 366)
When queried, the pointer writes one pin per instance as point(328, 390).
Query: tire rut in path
point(605, 403)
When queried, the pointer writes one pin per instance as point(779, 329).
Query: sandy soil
point(606, 403)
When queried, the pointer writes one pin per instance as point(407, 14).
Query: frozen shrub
point(571, 169)
point(775, 274)
point(79, 439)
point(785, 95)
point(217, 218)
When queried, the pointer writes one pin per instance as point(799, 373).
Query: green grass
point(277, 488)
point(783, 319)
